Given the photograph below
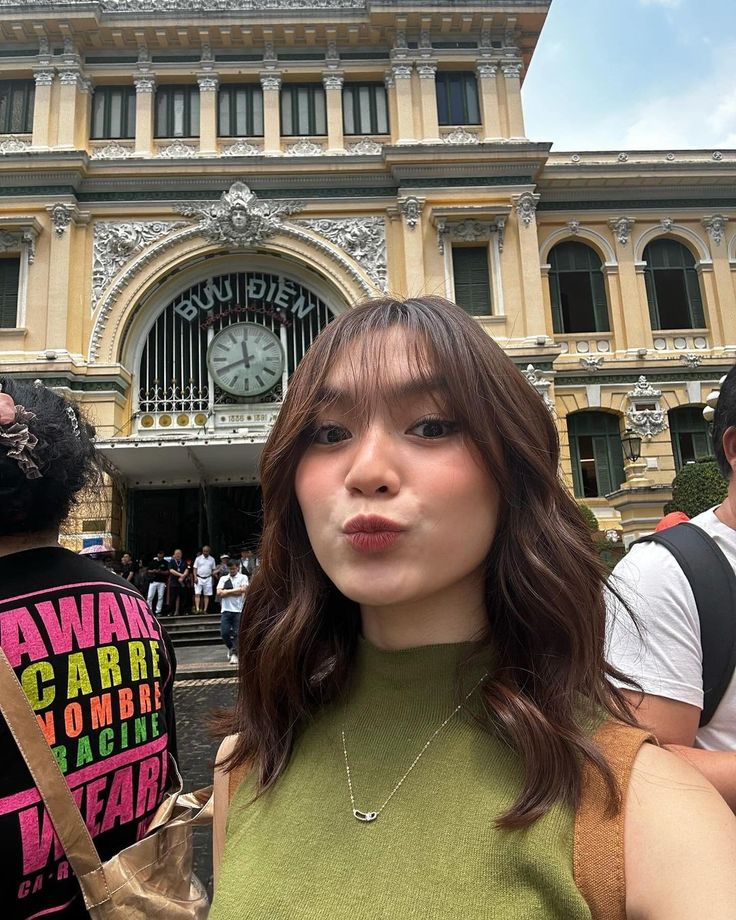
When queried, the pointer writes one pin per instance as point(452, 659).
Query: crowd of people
point(511, 733)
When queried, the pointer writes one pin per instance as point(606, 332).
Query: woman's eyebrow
point(416, 386)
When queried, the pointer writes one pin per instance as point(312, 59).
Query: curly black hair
point(724, 418)
point(65, 456)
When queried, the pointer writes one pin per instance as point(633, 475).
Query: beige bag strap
point(598, 860)
point(70, 828)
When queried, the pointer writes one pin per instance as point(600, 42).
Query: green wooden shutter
point(577, 480)
point(616, 455)
point(694, 297)
point(9, 276)
point(556, 298)
point(600, 301)
point(652, 297)
point(603, 471)
point(472, 284)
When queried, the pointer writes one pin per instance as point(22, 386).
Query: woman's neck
point(16, 543)
point(457, 614)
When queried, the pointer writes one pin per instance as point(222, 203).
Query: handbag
point(150, 878)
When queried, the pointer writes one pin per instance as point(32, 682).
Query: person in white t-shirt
point(665, 655)
point(231, 589)
point(204, 567)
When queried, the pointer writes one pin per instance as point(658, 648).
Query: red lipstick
point(371, 533)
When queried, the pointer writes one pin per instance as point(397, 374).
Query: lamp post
point(631, 443)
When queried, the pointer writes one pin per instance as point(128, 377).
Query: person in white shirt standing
point(664, 655)
point(231, 589)
point(204, 567)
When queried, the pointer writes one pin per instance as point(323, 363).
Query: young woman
point(422, 675)
point(90, 657)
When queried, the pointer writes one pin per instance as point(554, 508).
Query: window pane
point(98, 114)
point(672, 300)
point(320, 110)
point(347, 111)
point(577, 302)
point(303, 99)
point(9, 277)
point(130, 125)
point(471, 97)
point(364, 118)
point(4, 107)
point(457, 100)
point(257, 103)
point(116, 113)
point(193, 100)
point(587, 466)
point(241, 114)
point(443, 111)
point(287, 126)
point(177, 125)
point(162, 109)
point(17, 120)
point(381, 111)
point(223, 116)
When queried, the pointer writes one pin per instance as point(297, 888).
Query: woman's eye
point(330, 434)
point(433, 428)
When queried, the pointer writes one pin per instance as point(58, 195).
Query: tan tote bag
point(150, 878)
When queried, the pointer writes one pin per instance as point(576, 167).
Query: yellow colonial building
point(183, 182)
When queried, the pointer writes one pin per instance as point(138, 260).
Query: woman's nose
point(373, 469)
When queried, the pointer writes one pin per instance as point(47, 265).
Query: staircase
point(193, 629)
point(200, 651)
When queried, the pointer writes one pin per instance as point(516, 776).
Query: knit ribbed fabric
point(297, 853)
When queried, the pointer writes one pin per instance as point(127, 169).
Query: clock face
point(245, 359)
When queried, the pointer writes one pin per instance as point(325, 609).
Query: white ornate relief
point(208, 83)
point(177, 150)
point(411, 208)
point(461, 135)
point(239, 218)
point(113, 151)
point(644, 414)
point(716, 227)
point(304, 148)
point(622, 227)
point(366, 147)
point(13, 144)
point(592, 364)
point(270, 81)
point(16, 242)
point(574, 226)
point(469, 230)
point(242, 149)
point(362, 238)
point(145, 83)
point(115, 243)
point(332, 80)
point(61, 217)
point(526, 206)
point(426, 70)
point(540, 384)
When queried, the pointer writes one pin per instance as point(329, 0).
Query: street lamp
point(631, 443)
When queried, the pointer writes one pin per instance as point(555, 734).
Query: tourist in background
point(231, 590)
point(204, 569)
point(178, 571)
point(159, 572)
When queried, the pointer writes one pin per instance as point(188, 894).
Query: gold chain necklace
point(368, 816)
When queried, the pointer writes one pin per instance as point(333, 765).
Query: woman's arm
point(680, 843)
point(221, 791)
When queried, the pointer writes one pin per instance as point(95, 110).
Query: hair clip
point(73, 419)
point(15, 436)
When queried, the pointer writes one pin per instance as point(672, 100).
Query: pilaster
point(208, 86)
point(536, 323)
point(514, 108)
point(428, 99)
point(490, 108)
point(145, 89)
point(629, 310)
point(413, 236)
point(333, 83)
point(401, 87)
point(271, 84)
point(44, 77)
point(63, 217)
point(72, 101)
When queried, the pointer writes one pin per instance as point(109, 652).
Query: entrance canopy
point(157, 463)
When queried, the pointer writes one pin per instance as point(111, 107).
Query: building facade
point(180, 176)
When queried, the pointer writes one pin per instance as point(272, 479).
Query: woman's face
point(397, 507)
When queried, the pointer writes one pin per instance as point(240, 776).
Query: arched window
point(690, 435)
point(577, 289)
point(596, 453)
point(673, 287)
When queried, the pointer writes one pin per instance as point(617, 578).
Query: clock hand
point(246, 356)
point(228, 367)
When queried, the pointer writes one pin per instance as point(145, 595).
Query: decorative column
point(44, 77)
point(536, 323)
point(145, 88)
point(271, 83)
point(208, 86)
point(72, 86)
point(490, 108)
point(718, 284)
point(514, 109)
point(411, 209)
point(60, 257)
point(333, 82)
point(629, 310)
point(401, 75)
point(430, 127)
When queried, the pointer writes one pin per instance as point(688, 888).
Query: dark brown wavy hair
point(544, 582)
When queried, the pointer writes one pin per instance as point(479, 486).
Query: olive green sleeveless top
point(298, 853)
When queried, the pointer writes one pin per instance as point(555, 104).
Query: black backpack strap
point(713, 584)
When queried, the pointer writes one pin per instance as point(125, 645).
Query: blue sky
point(634, 74)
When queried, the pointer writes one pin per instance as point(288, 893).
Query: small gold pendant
point(365, 815)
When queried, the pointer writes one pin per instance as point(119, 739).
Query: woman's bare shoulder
point(680, 842)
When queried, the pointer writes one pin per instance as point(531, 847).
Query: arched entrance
point(202, 404)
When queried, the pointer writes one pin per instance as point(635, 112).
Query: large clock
point(245, 359)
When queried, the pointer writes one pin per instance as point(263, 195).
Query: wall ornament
point(411, 208)
point(61, 216)
point(177, 150)
point(622, 227)
point(362, 238)
point(112, 151)
point(644, 414)
point(540, 384)
point(461, 135)
point(526, 206)
point(241, 149)
point(304, 148)
point(716, 227)
point(13, 144)
point(366, 147)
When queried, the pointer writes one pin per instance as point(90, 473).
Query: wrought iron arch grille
point(173, 375)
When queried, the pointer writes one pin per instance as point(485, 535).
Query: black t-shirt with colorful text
point(98, 672)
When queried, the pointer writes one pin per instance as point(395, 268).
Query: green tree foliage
point(590, 519)
point(697, 487)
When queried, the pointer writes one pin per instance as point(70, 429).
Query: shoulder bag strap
point(598, 854)
point(713, 584)
point(70, 828)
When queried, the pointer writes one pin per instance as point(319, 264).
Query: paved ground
point(195, 701)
